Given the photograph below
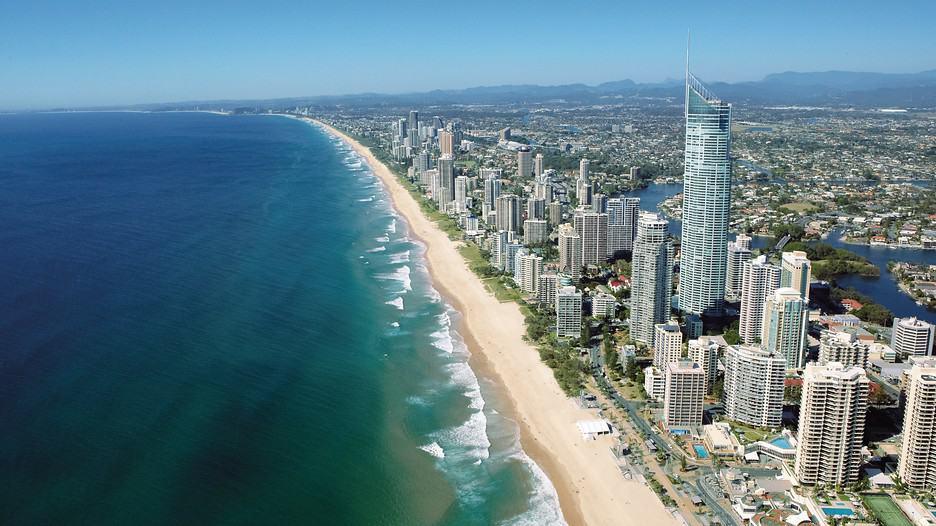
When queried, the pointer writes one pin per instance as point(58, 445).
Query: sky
point(82, 53)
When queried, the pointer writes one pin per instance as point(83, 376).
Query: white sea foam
point(396, 302)
point(544, 501)
point(434, 449)
point(400, 275)
point(365, 199)
point(378, 249)
point(402, 257)
point(382, 239)
point(395, 324)
point(392, 226)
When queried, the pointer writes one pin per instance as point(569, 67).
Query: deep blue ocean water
point(214, 319)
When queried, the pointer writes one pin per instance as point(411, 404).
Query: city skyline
point(63, 55)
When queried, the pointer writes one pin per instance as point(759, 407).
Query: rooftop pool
point(700, 451)
point(782, 443)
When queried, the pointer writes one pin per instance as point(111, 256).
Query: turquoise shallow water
point(219, 320)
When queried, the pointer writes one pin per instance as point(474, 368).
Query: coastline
point(590, 487)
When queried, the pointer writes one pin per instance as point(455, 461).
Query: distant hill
point(826, 88)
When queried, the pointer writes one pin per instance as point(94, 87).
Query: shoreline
point(590, 486)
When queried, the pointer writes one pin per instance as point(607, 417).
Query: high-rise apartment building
point(461, 194)
point(524, 162)
point(546, 288)
point(447, 172)
point(623, 214)
point(783, 330)
point(739, 251)
point(507, 208)
point(535, 231)
point(706, 201)
point(568, 312)
point(833, 409)
point(683, 396)
point(538, 166)
point(651, 277)
point(753, 387)
point(446, 142)
point(492, 190)
point(796, 272)
point(528, 271)
point(917, 466)
point(912, 337)
point(570, 251)
point(759, 280)
point(667, 344)
point(705, 353)
point(843, 347)
point(592, 227)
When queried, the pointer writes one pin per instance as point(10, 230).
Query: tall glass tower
point(706, 201)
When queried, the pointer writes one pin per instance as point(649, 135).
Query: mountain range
point(827, 88)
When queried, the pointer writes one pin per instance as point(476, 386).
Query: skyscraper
point(412, 129)
point(508, 213)
point(528, 270)
point(667, 344)
point(833, 408)
point(447, 142)
point(683, 395)
point(796, 272)
point(583, 187)
point(739, 251)
point(524, 161)
point(760, 279)
point(754, 386)
point(538, 166)
point(912, 337)
point(783, 330)
point(706, 201)
point(570, 251)
point(492, 190)
point(461, 194)
point(592, 227)
point(917, 467)
point(705, 353)
point(568, 312)
point(447, 173)
point(535, 231)
point(844, 348)
point(651, 277)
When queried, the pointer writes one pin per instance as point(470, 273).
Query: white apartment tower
point(622, 224)
point(912, 337)
point(796, 272)
point(759, 280)
point(667, 344)
point(570, 251)
point(683, 395)
point(754, 386)
point(917, 467)
point(739, 251)
point(568, 312)
point(783, 330)
point(529, 270)
point(833, 409)
point(651, 277)
point(844, 348)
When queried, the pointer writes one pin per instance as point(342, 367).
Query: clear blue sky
point(74, 53)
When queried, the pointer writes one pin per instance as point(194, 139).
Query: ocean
point(210, 319)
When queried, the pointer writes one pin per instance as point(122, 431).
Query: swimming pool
point(700, 451)
point(782, 442)
point(838, 512)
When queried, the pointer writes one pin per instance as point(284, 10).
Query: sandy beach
point(591, 489)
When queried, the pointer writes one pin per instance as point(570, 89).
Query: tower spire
point(688, 41)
